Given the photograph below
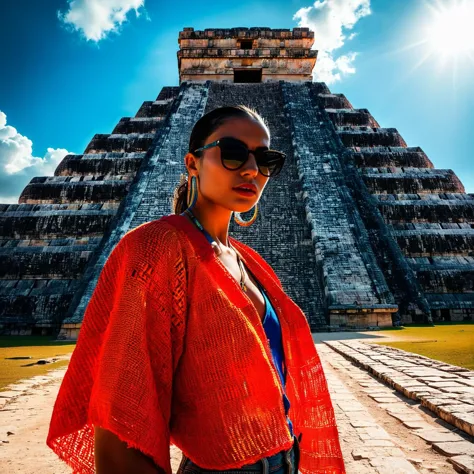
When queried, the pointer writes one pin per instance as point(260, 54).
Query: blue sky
point(58, 88)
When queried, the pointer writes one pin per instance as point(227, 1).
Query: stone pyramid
point(362, 230)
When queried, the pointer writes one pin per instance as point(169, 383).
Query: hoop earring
point(193, 195)
point(192, 192)
point(243, 223)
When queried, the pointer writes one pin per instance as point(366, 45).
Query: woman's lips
point(244, 192)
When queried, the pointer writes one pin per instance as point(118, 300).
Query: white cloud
point(96, 18)
point(17, 163)
point(330, 20)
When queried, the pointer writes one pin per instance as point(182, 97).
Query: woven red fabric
point(171, 350)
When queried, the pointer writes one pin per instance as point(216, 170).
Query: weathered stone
point(454, 448)
point(363, 423)
point(437, 436)
point(463, 463)
point(377, 229)
point(386, 399)
point(376, 433)
point(9, 394)
point(389, 465)
point(378, 442)
point(417, 425)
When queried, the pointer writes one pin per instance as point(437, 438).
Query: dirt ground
point(25, 412)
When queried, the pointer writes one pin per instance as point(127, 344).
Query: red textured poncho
point(171, 350)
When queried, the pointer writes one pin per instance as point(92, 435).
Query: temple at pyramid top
point(246, 55)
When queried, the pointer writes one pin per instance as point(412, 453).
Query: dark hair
point(202, 129)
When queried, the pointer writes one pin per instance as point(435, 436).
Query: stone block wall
point(48, 240)
point(214, 54)
point(420, 221)
point(281, 233)
point(151, 195)
point(357, 226)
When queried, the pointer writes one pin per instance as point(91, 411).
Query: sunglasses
point(234, 153)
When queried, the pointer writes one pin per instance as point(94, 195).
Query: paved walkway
point(414, 384)
point(381, 431)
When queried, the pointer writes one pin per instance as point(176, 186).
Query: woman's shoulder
point(156, 230)
point(150, 239)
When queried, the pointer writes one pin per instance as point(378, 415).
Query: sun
point(449, 30)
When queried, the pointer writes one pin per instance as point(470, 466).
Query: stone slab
point(417, 425)
point(406, 416)
point(445, 384)
point(391, 465)
point(386, 399)
point(9, 394)
point(455, 448)
point(463, 463)
point(379, 442)
point(377, 433)
point(362, 423)
point(437, 436)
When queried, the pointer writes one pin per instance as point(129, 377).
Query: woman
point(190, 339)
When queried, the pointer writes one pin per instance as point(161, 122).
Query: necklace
point(216, 246)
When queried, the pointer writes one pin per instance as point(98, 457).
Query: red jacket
point(171, 350)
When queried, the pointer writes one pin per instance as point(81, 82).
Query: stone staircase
point(423, 209)
point(357, 226)
point(151, 195)
point(281, 232)
point(50, 237)
point(355, 288)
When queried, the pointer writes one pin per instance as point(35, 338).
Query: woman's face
point(216, 183)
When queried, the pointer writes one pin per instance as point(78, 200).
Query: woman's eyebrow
point(263, 147)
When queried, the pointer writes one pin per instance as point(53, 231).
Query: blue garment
point(271, 325)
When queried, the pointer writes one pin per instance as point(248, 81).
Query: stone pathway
point(438, 389)
point(381, 431)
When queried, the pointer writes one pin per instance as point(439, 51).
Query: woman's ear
point(191, 162)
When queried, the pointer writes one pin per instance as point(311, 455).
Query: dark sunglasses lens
point(233, 153)
point(270, 162)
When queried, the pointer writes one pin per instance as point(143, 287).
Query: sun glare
point(450, 29)
point(443, 36)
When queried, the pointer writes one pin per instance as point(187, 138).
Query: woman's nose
point(250, 164)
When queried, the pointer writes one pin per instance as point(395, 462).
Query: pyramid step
point(26, 304)
point(431, 242)
point(370, 137)
point(391, 156)
point(333, 101)
point(428, 197)
point(83, 191)
point(411, 181)
point(101, 164)
point(445, 274)
point(103, 143)
point(168, 93)
point(460, 304)
point(319, 88)
point(441, 210)
point(48, 224)
point(43, 261)
point(157, 108)
point(141, 125)
point(351, 117)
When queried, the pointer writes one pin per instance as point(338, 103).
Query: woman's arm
point(113, 455)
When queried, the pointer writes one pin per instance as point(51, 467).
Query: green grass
point(36, 347)
point(452, 343)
